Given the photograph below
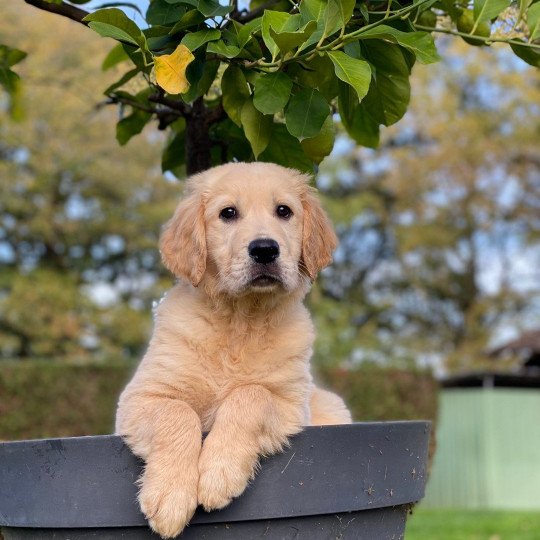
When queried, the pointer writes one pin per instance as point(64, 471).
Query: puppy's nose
point(263, 250)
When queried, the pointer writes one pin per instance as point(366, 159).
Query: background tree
point(440, 227)
point(261, 82)
point(421, 220)
point(78, 215)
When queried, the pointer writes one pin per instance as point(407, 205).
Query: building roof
point(485, 379)
point(527, 346)
point(528, 342)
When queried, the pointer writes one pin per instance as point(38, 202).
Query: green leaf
point(9, 57)
point(115, 23)
point(533, 21)
point(317, 148)
point(116, 55)
point(201, 74)
point(131, 125)
point(278, 5)
point(306, 113)
point(194, 40)
point(109, 30)
point(286, 40)
point(159, 39)
point(390, 90)
point(356, 118)
point(123, 80)
point(527, 54)
point(387, 99)
point(312, 10)
point(136, 56)
point(419, 43)
point(247, 30)
point(353, 71)
point(336, 15)
point(223, 49)
point(280, 22)
point(227, 46)
point(284, 149)
point(523, 6)
point(257, 127)
point(252, 50)
point(160, 12)
point(365, 13)
point(485, 10)
point(209, 8)
point(9, 80)
point(331, 16)
point(233, 138)
point(192, 17)
point(317, 73)
point(344, 8)
point(12, 85)
point(235, 92)
point(272, 92)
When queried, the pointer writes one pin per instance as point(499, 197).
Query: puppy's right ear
point(319, 239)
point(183, 241)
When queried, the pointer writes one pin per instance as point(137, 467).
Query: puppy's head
point(248, 228)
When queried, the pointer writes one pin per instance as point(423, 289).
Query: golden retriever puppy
point(232, 341)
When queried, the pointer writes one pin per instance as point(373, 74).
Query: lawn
point(473, 525)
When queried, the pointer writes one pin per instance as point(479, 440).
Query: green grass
point(473, 525)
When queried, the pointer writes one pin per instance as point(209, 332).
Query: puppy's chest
point(234, 354)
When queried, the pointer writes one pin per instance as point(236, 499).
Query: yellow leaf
point(171, 70)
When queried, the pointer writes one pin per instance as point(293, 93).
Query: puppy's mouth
point(265, 280)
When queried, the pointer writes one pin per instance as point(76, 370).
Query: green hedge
point(374, 393)
point(49, 399)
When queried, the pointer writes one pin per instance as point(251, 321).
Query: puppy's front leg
point(167, 434)
point(249, 423)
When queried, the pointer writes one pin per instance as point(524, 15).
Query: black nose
point(263, 250)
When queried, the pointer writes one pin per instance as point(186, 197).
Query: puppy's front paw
point(221, 478)
point(167, 504)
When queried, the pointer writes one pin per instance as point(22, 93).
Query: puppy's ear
point(183, 241)
point(319, 239)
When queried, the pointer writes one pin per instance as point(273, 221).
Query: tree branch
point(173, 104)
point(509, 41)
point(65, 10)
point(165, 116)
point(115, 100)
point(215, 115)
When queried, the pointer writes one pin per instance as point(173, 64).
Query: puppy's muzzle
point(263, 250)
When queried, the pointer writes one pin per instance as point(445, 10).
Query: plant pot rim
point(89, 482)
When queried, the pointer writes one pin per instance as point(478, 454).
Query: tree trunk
point(197, 139)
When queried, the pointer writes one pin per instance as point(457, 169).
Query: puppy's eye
point(283, 211)
point(229, 213)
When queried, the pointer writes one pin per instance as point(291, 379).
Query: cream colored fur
point(227, 357)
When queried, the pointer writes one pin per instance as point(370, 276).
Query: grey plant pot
point(356, 481)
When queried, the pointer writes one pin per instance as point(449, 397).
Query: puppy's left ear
point(183, 241)
point(319, 239)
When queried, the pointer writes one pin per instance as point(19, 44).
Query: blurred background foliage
point(79, 215)
point(439, 231)
point(439, 227)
